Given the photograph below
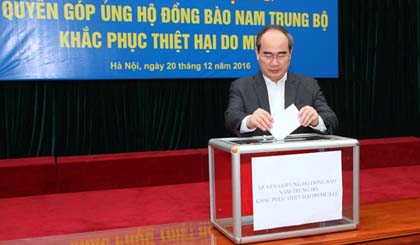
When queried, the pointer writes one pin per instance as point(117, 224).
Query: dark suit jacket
point(250, 93)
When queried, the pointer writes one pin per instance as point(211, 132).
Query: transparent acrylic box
point(230, 179)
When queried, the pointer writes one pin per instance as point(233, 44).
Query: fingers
point(308, 116)
point(260, 119)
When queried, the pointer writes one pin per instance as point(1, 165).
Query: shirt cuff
point(321, 125)
point(244, 128)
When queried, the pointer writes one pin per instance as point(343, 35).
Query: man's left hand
point(308, 116)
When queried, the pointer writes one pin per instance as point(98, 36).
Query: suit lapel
point(289, 91)
point(261, 91)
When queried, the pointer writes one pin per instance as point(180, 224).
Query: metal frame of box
point(264, 144)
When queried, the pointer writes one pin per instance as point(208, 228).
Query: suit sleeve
point(235, 111)
point(324, 110)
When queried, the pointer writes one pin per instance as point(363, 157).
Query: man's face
point(274, 55)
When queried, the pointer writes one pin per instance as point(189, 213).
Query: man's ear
point(256, 53)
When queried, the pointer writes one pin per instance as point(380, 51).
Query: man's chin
point(275, 76)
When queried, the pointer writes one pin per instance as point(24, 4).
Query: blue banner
point(125, 39)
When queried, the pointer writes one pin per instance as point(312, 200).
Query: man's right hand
point(260, 119)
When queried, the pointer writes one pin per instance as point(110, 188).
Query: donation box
point(265, 189)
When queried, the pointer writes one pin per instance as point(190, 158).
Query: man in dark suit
point(254, 100)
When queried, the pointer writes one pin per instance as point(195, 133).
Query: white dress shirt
point(275, 90)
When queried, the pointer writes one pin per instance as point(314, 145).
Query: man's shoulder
point(248, 80)
point(299, 77)
point(251, 78)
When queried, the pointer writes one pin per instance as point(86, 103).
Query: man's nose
point(275, 61)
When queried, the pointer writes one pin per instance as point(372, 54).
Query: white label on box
point(296, 189)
